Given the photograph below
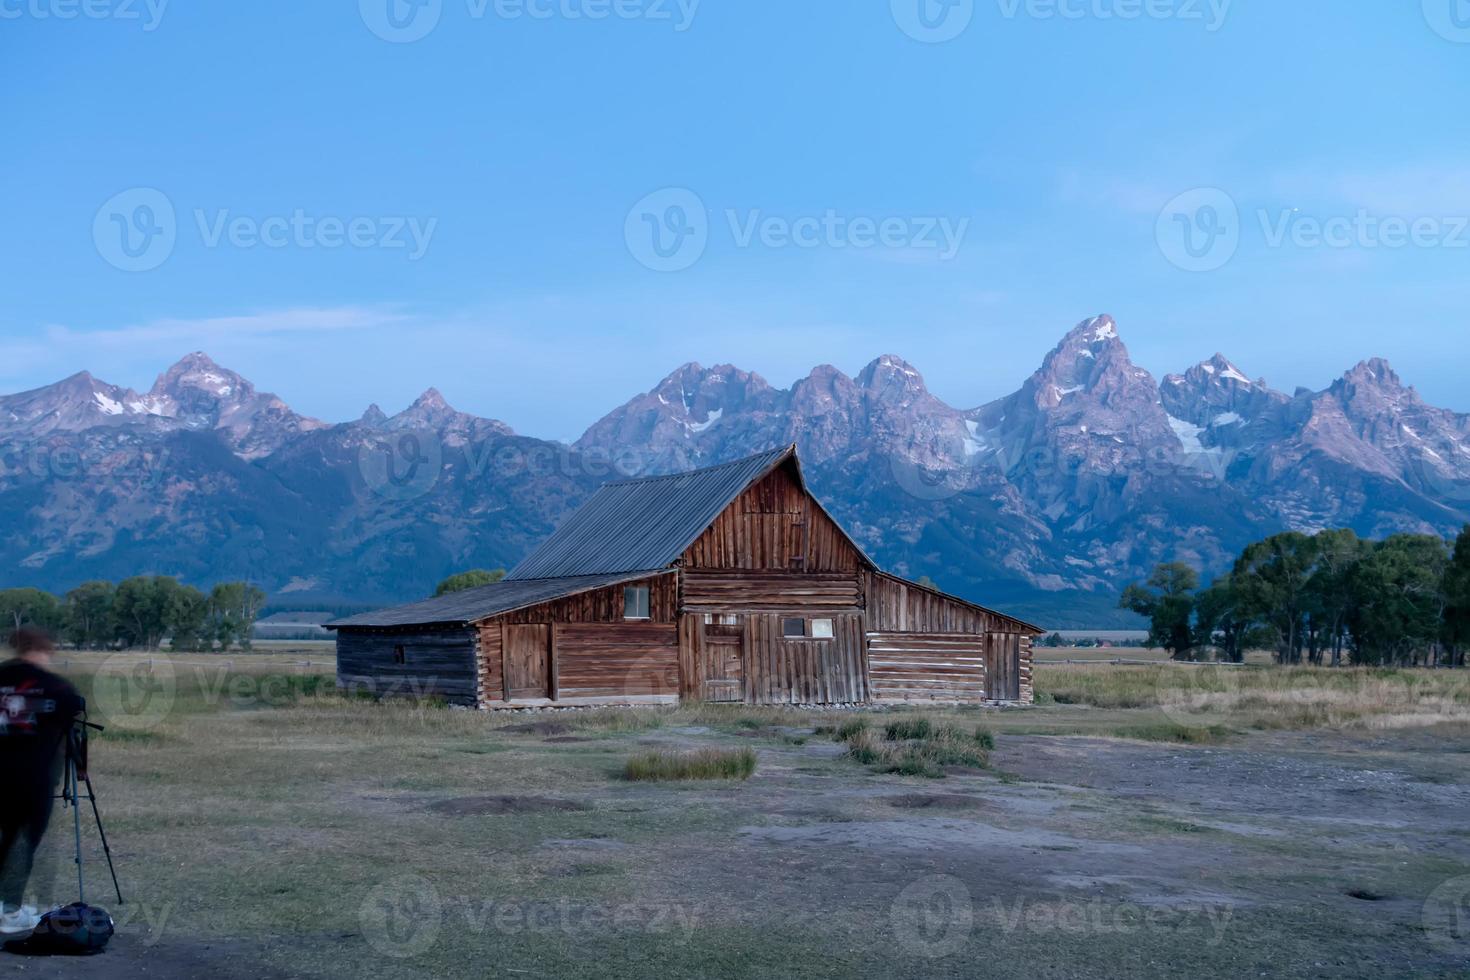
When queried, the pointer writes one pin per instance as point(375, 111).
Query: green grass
point(255, 817)
point(917, 747)
point(908, 728)
point(661, 766)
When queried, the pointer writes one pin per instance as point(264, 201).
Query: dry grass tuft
point(700, 764)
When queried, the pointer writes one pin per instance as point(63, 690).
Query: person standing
point(37, 710)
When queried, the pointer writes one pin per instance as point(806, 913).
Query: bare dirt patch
point(935, 801)
point(476, 806)
point(538, 728)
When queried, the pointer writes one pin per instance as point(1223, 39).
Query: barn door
point(527, 662)
point(1003, 667)
point(723, 669)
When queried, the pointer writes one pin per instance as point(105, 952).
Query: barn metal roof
point(481, 602)
point(645, 523)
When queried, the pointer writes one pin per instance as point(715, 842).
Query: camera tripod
point(73, 779)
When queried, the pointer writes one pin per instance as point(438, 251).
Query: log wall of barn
point(437, 663)
point(1028, 689)
point(774, 525)
point(924, 645)
point(927, 666)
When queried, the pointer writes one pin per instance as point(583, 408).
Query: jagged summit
point(1076, 482)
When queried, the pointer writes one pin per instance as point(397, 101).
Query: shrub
point(850, 729)
point(701, 764)
point(909, 728)
point(867, 748)
point(917, 747)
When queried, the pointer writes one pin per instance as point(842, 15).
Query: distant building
point(726, 584)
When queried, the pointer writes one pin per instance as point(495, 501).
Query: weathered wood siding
point(584, 647)
point(616, 660)
point(806, 671)
point(721, 591)
point(898, 606)
point(437, 663)
point(603, 605)
point(924, 645)
point(774, 525)
point(527, 652)
point(1003, 666)
point(927, 666)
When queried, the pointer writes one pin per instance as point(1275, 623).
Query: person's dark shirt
point(36, 711)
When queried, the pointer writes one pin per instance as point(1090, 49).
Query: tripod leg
point(97, 814)
point(76, 812)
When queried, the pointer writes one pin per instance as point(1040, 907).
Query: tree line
point(140, 612)
point(1325, 598)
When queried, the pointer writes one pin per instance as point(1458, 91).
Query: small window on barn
point(400, 656)
point(793, 629)
point(635, 602)
point(822, 629)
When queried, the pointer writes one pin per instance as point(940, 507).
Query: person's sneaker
point(18, 924)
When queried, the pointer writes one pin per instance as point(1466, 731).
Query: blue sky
point(1060, 142)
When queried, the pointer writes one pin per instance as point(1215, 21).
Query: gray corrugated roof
point(644, 523)
point(472, 605)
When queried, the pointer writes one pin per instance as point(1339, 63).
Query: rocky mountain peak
point(197, 372)
point(1090, 364)
point(429, 410)
point(892, 382)
point(374, 416)
point(431, 401)
point(1375, 372)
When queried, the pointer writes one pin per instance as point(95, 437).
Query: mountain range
point(1045, 502)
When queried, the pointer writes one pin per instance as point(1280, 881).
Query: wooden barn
point(730, 583)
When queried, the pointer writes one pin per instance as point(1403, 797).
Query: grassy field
point(1150, 821)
